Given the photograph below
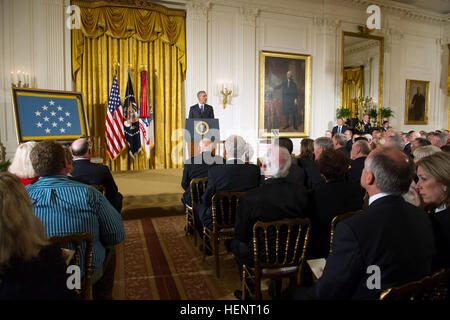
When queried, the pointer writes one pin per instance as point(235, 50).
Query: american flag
point(115, 140)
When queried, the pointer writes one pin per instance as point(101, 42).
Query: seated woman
point(30, 268)
point(433, 194)
point(306, 161)
point(337, 196)
point(21, 164)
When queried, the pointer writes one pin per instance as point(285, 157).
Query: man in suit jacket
point(365, 124)
point(349, 135)
point(234, 176)
point(197, 167)
point(275, 199)
point(296, 174)
point(388, 244)
point(201, 109)
point(93, 173)
point(411, 136)
point(340, 143)
point(360, 151)
point(340, 128)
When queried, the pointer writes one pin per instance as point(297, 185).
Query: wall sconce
point(225, 89)
point(20, 79)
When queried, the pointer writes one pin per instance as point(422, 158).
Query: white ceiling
point(437, 6)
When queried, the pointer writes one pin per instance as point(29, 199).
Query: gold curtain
point(116, 36)
point(353, 87)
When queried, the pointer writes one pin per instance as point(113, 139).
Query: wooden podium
point(198, 129)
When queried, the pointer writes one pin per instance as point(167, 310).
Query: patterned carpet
point(157, 261)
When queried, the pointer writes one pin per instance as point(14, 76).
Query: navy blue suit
point(234, 176)
point(391, 234)
point(196, 113)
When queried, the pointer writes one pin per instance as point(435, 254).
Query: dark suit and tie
point(234, 176)
point(355, 170)
point(339, 129)
point(203, 111)
point(93, 173)
point(391, 234)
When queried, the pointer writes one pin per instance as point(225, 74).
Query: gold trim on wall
point(380, 67)
point(307, 94)
point(408, 101)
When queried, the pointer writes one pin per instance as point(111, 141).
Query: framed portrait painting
point(285, 94)
point(417, 101)
point(48, 114)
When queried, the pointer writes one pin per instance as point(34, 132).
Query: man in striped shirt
point(65, 206)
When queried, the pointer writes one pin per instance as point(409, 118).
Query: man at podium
point(201, 109)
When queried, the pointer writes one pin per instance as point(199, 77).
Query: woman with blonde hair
point(21, 165)
point(30, 268)
point(433, 194)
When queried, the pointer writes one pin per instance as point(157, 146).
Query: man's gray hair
point(277, 162)
point(235, 146)
point(394, 140)
point(324, 143)
point(200, 92)
point(363, 146)
point(425, 151)
point(393, 175)
point(443, 137)
point(341, 139)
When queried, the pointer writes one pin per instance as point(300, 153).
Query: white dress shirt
point(377, 196)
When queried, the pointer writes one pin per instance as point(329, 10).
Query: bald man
point(388, 244)
point(92, 173)
point(197, 167)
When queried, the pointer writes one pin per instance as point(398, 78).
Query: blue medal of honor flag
point(44, 116)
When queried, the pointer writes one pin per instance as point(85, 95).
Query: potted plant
point(373, 114)
point(386, 113)
point(4, 165)
point(343, 113)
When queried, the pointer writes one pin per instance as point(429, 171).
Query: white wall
point(33, 38)
point(224, 39)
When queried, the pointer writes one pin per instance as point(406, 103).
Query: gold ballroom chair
point(279, 252)
point(430, 288)
point(197, 188)
point(338, 219)
point(77, 240)
point(224, 209)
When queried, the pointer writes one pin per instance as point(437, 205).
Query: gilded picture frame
point(49, 115)
point(284, 105)
point(417, 101)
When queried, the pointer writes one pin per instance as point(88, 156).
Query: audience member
point(306, 150)
point(66, 206)
point(340, 143)
point(376, 133)
point(377, 142)
point(275, 199)
point(369, 137)
point(391, 234)
point(30, 267)
point(197, 167)
point(336, 197)
point(234, 176)
point(433, 193)
point(69, 158)
point(321, 144)
point(385, 126)
point(360, 151)
point(296, 173)
point(411, 136)
point(355, 136)
point(365, 124)
point(418, 154)
point(328, 134)
point(419, 142)
point(340, 128)
point(349, 135)
point(21, 165)
point(93, 173)
point(438, 139)
point(394, 140)
point(307, 162)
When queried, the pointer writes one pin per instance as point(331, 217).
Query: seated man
point(234, 176)
point(391, 236)
point(197, 167)
point(312, 172)
point(340, 143)
point(296, 173)
point(340, 128)
point(275, 199)
point(93, 173)
point(360, 151)
point(65, 206)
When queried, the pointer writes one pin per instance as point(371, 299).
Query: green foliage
point(386, 112)
point(373, 113)
point(343, 112)
point(4, 165)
